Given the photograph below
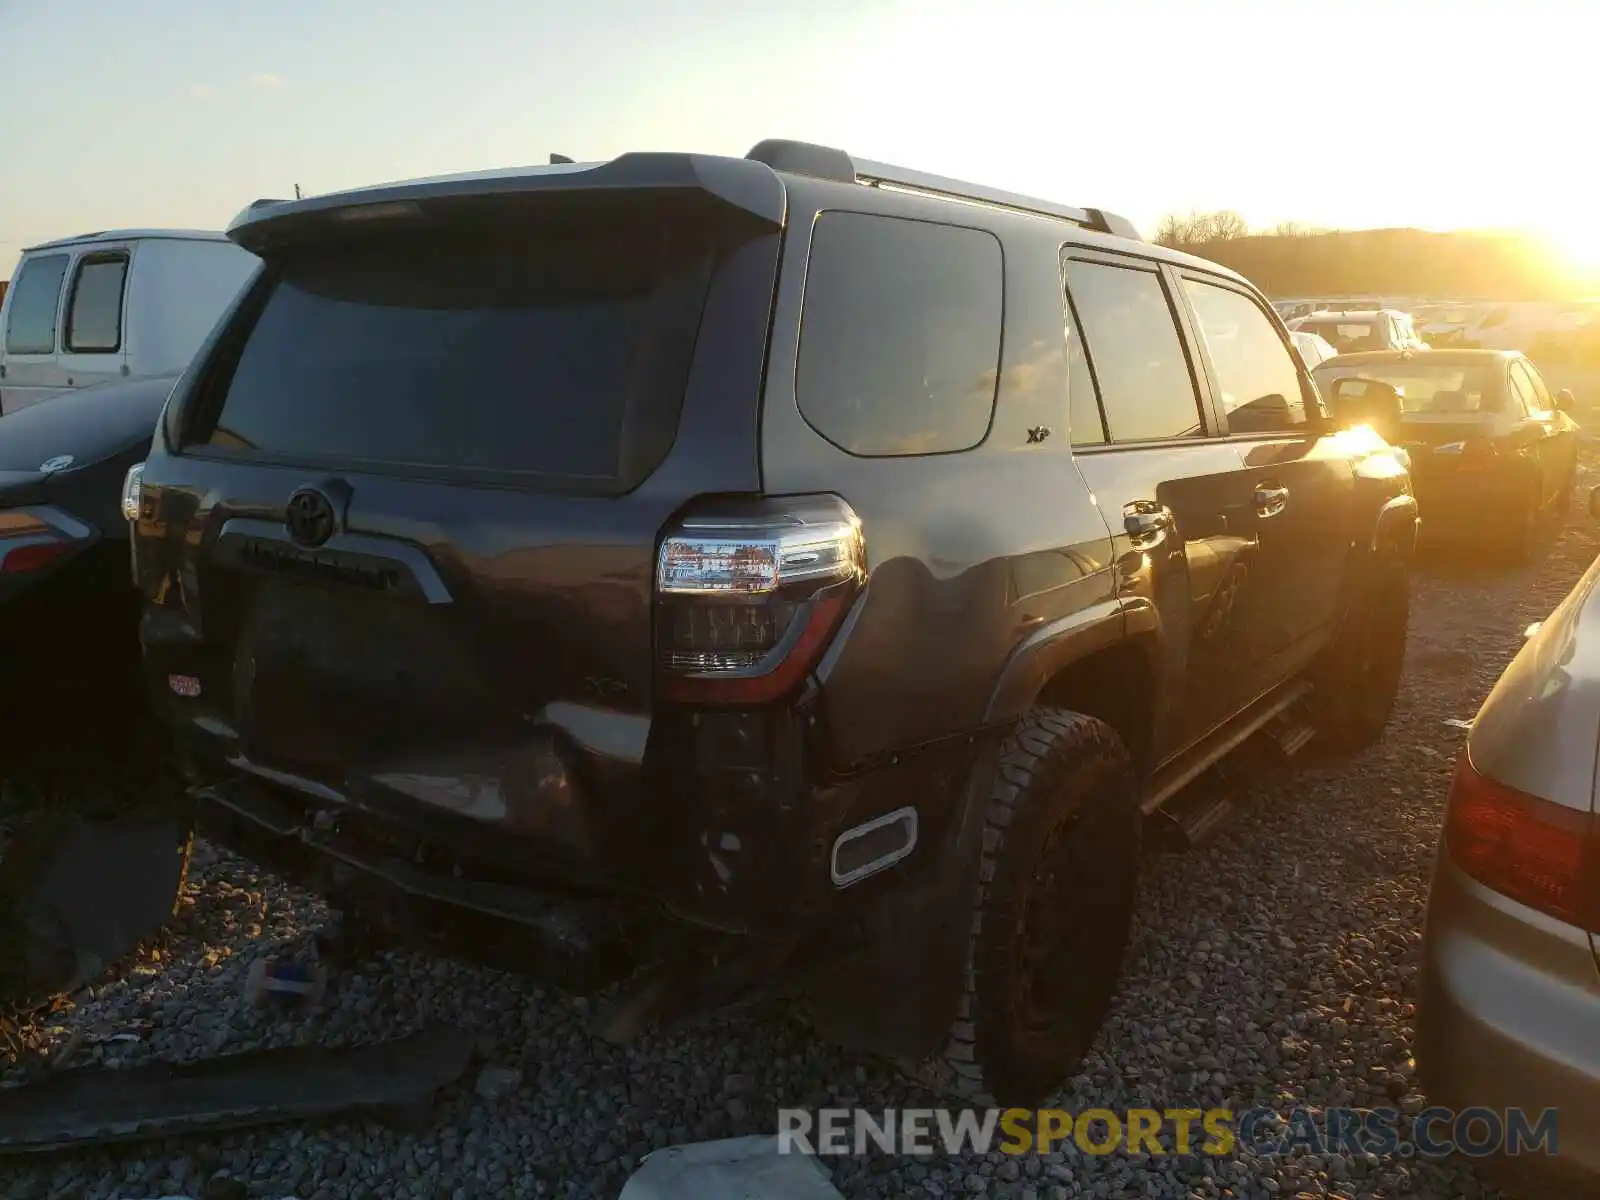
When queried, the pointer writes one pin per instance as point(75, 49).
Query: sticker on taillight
point(187, 686)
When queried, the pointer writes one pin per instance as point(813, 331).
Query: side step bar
point(1192, 794)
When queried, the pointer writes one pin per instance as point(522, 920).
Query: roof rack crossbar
point(826, 162)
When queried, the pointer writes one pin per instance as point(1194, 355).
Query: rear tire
point(1055, 904)
point(1563, 503)
point(1361, 675)
point(1522, 532)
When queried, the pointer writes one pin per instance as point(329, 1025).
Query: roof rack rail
point(825, 162)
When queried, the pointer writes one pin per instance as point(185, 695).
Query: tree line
point(1295, 260)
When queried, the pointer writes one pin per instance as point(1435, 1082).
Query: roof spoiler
point(825, 162)
point(736, 183)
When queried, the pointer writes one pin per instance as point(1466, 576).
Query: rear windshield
point(1424, 389)
point(525, 352)
point(1347, 336)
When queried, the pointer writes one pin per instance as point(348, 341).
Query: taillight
point(748, 595)
point(1534, 851)
point(32, 556)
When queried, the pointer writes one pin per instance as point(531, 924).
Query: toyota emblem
point(309, 518)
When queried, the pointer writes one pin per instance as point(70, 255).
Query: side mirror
point(1361, 401)
point(1564, 400)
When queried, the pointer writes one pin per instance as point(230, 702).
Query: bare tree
point(1180, 231)
point(1200, 229)
point(1225, 225)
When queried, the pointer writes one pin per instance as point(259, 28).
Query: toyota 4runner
point(713, 574)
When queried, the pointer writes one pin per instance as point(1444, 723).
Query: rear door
point(1554, 443)
point(1296, 493)
point(417, 495)
point(1164, 482)
point(93, 342)
point(30, 370)
point(1525, 434)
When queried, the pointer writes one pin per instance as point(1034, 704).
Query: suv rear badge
point(309, 517)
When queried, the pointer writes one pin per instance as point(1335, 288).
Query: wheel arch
point(1102, 662)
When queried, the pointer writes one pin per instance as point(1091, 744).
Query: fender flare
point(1394, 530)
point(1051, 648)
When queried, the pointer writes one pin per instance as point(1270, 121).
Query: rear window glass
point(900, 338)
point(34, 301)
point(1348, 336)
point(523, 355)
point(1423, 389)
point(94, 320)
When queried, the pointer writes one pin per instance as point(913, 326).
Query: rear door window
point(1542, 400)
point(34, 302)
point(1526, 399)
point(550, 353)
point(900, 334)
point(1134, 353)
point(1256, 376)
point(94, 315)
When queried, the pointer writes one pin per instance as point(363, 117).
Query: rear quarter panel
point(1539, 729)
point(967, 552)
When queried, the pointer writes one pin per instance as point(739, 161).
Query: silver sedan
point(1510, 1009)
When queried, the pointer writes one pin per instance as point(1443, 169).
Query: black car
point(739, 573)
point(1492, 450)
point(68, 610)
point(90, 854)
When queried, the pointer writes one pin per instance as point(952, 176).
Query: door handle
point(1146, 523)
point(1271, 500)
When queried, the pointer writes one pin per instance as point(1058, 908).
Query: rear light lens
point(748, 596)
point(33, 556)
point(1533, 851)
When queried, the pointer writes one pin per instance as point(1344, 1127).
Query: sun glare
point(1575, 239)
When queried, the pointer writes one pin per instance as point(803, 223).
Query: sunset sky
point(1354, 114)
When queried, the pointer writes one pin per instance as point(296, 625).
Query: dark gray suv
point(725, 574)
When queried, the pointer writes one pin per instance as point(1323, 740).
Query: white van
point(126, 304)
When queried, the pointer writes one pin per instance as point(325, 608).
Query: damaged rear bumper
point(575, 939)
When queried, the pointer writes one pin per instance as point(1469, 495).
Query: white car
point(1312, 349)
point(127, 304)
point(1510, 995)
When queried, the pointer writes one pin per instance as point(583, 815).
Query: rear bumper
point(564, 937)
point(1510, 1005)
point(1457, 503)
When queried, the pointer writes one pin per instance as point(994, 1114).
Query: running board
point(1189, 766)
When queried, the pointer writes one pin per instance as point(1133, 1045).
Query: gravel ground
point(1274, 965)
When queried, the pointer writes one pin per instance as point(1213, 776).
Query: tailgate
point(407, 554)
